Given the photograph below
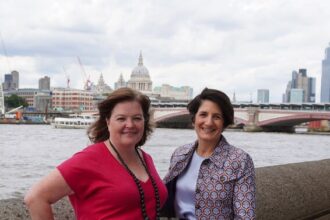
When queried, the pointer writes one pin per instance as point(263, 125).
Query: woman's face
point(126, 123)
point(208, 122)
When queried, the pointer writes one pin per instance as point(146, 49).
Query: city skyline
point(235, 46)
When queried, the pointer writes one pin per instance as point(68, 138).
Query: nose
point(209, 120)
point(129, 123)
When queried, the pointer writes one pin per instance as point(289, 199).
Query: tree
point(14, 101)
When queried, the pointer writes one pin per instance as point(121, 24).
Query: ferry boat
point(76, 121)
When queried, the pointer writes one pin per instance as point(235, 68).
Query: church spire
point(234, 98)
point(140, 59)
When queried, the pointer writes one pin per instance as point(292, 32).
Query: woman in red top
point(113, 178)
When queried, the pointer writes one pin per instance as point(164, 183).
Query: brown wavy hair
point(99, 132)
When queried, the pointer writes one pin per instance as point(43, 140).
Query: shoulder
point(93, 150)
point(184, 149)
point(234, 158)
point(90, 154)
point(233, 152)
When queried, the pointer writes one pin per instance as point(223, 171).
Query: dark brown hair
point(99, 130)
point(219, 98)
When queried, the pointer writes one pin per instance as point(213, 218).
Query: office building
point(44, 83)
point(11, 81)
point(263, 96)
point(72, 99)
point(296, 95)
point(300, 80)
point(180, 93)
point(325, 80)
point(27, 93)
point(2, 101)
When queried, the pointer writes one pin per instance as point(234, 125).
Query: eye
point(202, 114)
point(218, 117)
point(121, 119)
point(138, 118)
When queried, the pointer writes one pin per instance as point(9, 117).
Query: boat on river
point(76, 121)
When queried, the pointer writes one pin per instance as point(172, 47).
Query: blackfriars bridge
point(254, 117)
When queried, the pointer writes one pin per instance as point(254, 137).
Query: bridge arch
point(294, 119)
point(167, 116)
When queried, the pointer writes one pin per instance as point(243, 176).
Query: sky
point(236, 46)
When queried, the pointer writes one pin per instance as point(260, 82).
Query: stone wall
point(291, 191)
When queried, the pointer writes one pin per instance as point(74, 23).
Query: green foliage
point(15, 101)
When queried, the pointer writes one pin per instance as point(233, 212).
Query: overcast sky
point(232, 45)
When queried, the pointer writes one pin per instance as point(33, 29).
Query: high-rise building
point(11, 81)
point(263, 96)
point(15, 75)
point(296, 95)
point(44, 83)
point(300, 80)
point(325, 80)
point(2, 101)
point(311, 89)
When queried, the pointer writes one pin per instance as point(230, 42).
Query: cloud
point(231, 45)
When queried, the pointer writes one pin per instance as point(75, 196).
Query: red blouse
point(103, 189)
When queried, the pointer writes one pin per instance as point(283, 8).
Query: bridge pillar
point(252, 126)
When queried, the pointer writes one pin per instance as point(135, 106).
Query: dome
point(140, 71)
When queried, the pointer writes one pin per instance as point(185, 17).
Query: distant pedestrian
point(113, 178)
point(210, 179)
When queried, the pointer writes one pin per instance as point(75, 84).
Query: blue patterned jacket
point(225, 186)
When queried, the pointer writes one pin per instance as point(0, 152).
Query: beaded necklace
point(138, 184)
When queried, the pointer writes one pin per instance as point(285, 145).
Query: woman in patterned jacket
point(210, 179)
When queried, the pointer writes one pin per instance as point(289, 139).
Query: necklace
point(138, 184)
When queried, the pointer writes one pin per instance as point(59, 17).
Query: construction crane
point(67, 78)
point(87, 83)
point(5, 51)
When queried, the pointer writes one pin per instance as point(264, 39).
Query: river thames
point(28, 152)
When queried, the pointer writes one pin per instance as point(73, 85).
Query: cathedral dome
point(140, 71)
point(140, 79)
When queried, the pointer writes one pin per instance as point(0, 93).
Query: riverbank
point(14, 209)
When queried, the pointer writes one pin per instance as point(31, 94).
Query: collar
point(184, 154)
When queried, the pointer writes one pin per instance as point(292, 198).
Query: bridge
point(254, 118)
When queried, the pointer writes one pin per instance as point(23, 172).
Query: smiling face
point(208, 123)
point(126, 124)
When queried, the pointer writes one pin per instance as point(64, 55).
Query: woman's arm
point(44, 193)
point(245, 193)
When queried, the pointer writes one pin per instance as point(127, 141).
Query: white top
point(184, 201)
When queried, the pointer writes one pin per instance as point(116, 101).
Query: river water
point(28, 152)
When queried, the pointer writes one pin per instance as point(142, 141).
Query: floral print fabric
point(225, 186)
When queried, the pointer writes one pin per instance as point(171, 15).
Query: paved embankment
point(291, 191)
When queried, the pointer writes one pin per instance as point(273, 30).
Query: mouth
point(130, 132)
point(208, 130)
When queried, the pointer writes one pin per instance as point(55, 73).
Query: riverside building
point(72, 99)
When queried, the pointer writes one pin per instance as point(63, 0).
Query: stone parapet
point(290, 191)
